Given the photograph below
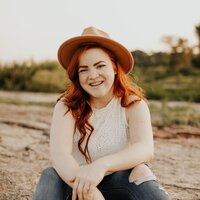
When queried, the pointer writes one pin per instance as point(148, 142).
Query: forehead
point(93, 55)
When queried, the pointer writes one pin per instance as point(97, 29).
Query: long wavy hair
point(77, 100)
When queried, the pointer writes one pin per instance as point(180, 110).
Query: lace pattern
point(110, 132)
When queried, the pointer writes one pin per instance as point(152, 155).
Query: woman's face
point(96, 73)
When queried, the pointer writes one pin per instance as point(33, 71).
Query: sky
point(34, 29)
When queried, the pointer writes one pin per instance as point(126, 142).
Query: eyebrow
point(95, 64)
point(98, 63)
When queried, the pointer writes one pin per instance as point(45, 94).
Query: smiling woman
point(101, 134)
point(97, 76)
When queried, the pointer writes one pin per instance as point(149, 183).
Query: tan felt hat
point(94, 35)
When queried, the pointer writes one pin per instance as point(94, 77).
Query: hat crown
point(91, 35)
point(92, 31)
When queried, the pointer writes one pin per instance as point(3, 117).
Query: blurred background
point(164, 38)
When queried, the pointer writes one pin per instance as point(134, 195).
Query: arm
point(61, 141)
point(140, 150)
point(141, 141)
point(61, 144)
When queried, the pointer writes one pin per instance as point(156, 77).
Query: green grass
point(159, 82)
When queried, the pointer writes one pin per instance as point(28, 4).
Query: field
point(158, 82)
point(25, 120)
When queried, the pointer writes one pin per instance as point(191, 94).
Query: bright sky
point(34, 29)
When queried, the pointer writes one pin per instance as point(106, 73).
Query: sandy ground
point(24, 151)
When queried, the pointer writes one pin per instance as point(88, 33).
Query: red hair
point(77, 100)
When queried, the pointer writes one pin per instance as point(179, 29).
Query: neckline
point(109, 104)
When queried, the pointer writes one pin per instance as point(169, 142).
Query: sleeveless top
point(110, 133)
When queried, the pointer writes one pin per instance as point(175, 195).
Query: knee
point(141, 173)
point(118, 179)
point(50, 174)
point(50, 185)
point(120, 175)
point(49, 171)
point(154, 190)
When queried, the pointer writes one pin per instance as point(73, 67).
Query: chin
point(98, 94)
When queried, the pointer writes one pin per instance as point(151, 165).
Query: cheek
point(112, 74)
point(81, 79)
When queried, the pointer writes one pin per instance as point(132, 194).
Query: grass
point(166, 115)
point(159, 82)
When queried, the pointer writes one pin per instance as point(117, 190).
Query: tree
point(141, 58)
point(197, 31)
point(196, 57)
point(180, 52)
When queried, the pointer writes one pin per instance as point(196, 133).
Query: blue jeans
point(115, 186)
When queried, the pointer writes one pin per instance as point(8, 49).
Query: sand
point(24, 150)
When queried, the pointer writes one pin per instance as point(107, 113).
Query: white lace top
point(110, 133)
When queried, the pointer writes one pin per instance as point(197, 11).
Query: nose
point(93, 74)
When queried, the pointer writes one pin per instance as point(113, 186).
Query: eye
point(82, 70)
point(100, 66)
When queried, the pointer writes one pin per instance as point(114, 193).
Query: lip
point(95, 84)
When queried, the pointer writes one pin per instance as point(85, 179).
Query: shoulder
point(61, 110)
point(60, 107)
point(139, 110)
point(133, 98)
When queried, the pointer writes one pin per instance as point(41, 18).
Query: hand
point(97, 195)
point(86, 180)
point(94, 194)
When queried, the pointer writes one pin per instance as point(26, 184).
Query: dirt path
point(24, 152)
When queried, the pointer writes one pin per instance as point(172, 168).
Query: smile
point(96, 83)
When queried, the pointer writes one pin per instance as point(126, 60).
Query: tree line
point(181, 55)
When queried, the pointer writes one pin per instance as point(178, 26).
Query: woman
point(101, 133)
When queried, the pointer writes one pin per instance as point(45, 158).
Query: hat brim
point(68, 48)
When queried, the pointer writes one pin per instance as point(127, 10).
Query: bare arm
point(141, 139)
point(61, 143)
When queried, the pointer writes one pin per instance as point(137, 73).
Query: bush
point(41, 77)
point(159, 82)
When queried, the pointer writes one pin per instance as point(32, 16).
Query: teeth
point(96, 83)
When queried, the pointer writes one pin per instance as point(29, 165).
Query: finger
point(91, 192)
point(86, 190)
point(74, 192)
point(72, 180)
point(80, 190)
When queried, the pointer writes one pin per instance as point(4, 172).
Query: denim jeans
point(115, 186)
